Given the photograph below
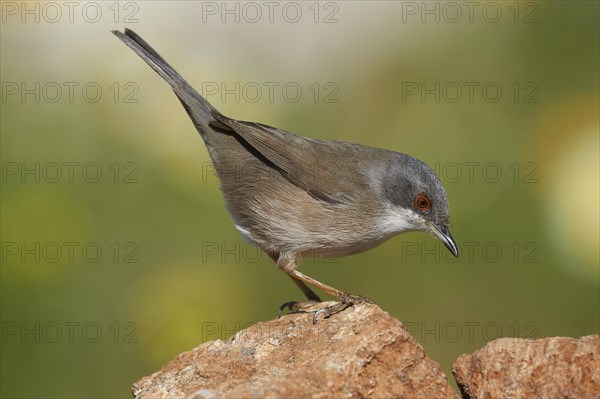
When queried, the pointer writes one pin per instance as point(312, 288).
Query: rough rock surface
point(361, 352)
point(522, 368)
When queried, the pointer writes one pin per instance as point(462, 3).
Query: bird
point(295, 197)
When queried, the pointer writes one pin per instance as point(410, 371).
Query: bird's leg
point(310, 294)
point(295, 274)
point(289, 265)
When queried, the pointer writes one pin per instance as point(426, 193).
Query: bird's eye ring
point(422, 202)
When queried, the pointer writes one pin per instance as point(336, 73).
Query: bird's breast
point(278, 216)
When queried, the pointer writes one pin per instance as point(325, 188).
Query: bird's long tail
point(197, 107)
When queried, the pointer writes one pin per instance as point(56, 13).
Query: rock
point(522, 368)
point(360, 352)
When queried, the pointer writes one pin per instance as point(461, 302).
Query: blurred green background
point(117, 250)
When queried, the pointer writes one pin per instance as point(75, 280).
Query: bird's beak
point(444, 235)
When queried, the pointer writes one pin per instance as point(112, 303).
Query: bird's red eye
point(422, 202)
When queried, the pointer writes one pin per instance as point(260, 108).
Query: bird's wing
point(326, 172)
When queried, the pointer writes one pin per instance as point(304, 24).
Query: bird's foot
point(347, 300)
point(297, 307)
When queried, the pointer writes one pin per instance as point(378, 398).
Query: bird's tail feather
point(198, 108)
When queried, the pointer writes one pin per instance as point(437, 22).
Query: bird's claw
point(305, 307)
point(296, 307)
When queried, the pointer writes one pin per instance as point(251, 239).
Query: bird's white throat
point(399, 220)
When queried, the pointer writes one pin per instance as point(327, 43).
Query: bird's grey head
point(416, 199)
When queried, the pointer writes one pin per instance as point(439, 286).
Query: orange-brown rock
point(522, 368)
point(360, 352)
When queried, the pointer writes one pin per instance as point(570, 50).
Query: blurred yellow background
point(118, 253)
